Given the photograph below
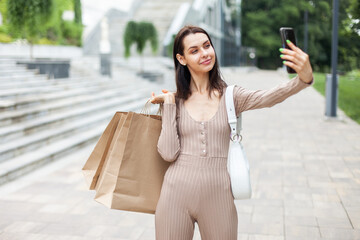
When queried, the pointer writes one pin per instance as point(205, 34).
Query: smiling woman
point(196, 64)
point(195, 138)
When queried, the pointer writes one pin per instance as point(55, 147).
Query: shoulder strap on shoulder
point(234, 122)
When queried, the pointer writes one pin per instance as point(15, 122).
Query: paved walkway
point(305, 173)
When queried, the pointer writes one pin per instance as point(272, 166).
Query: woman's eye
point(195, 51)
point(207, 45)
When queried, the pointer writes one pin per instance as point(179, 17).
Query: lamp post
point(238, 31)
point(306, 31)
point(332, 80)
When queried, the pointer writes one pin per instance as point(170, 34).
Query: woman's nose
point(204, 52)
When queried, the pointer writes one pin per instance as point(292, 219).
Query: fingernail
point(164, 91)
point(288, 41)
point(281, 49)
point(281, 55)
point(284, 62)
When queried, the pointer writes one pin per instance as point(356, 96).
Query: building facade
point(220, 18)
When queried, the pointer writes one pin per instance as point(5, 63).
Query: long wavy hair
point(182, 73)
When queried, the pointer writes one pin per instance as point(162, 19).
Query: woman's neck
point(199, 83)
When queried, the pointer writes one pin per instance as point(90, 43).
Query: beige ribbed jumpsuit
point(196, 186)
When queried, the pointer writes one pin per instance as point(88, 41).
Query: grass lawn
point(348, 93)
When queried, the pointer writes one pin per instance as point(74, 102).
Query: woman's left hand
point(297, 60)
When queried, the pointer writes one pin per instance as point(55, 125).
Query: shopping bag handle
point(147, 107)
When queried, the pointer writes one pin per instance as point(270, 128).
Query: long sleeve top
point(181, 134)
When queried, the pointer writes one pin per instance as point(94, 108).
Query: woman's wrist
point(307, 80)
point(169, 99)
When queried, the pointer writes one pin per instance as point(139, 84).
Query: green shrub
point(45, 41)
point(4, 38)
point(354, 75)
point(170, 47)
point(3, 29)
point(72, 33)
point(139, 33)
point(348, 93)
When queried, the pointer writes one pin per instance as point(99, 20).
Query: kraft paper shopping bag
point(133, 170)
point(93, 165)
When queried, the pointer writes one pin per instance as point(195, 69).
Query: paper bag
point(133, 170)
point(93, 165)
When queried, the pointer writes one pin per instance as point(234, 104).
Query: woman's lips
point(206, 62)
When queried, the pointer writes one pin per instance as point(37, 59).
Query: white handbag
point(237, 163)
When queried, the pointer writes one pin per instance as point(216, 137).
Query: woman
point(195, 138)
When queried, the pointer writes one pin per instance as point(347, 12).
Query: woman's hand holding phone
point(167, 97)
point(297, 60)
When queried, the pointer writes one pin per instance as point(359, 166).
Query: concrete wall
point(39, 51)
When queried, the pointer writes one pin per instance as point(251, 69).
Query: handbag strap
point(234, 122)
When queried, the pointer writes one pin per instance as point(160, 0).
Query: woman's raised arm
point(298, 60)
point(245, 99)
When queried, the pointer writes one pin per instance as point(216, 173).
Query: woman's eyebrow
point(196, 46)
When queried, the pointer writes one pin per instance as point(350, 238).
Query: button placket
point(203, 151)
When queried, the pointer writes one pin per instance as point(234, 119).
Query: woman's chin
point(210, 66)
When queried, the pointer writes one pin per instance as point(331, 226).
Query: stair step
point(8, 65)
point(11, 67)
point(32, 100)
point(25, 163)
point(46, 170)
point(52, 86)
point(17, 75)
point(28, 101)
point(37, 81)
point(15, 116)
point(42, 80)
point(16, 92)
point(18, 130)
point(13, 83)
point(16, 70)
point(6, 61)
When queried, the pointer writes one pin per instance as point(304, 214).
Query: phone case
point(287, 33)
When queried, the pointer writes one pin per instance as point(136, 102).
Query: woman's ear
point(181, 59)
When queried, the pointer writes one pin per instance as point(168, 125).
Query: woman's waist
point(201, 161)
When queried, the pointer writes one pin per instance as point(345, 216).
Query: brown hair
point(182, 73)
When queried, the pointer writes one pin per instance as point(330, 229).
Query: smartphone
point(287, 33)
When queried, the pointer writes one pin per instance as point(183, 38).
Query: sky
point(93, 10)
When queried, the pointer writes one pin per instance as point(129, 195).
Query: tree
point(262, 19)
point(3, 10)
point(349, 57)
point(28, 17)
point(62, 31)
point(139, 33)
point(77, 11)
point(354, 11)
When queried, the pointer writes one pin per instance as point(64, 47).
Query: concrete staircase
point(44, 119)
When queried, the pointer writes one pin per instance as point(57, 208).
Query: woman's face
point(199, 55)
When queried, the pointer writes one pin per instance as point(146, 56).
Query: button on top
point(202, 133)
point(204, 151)
point(202, 123)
